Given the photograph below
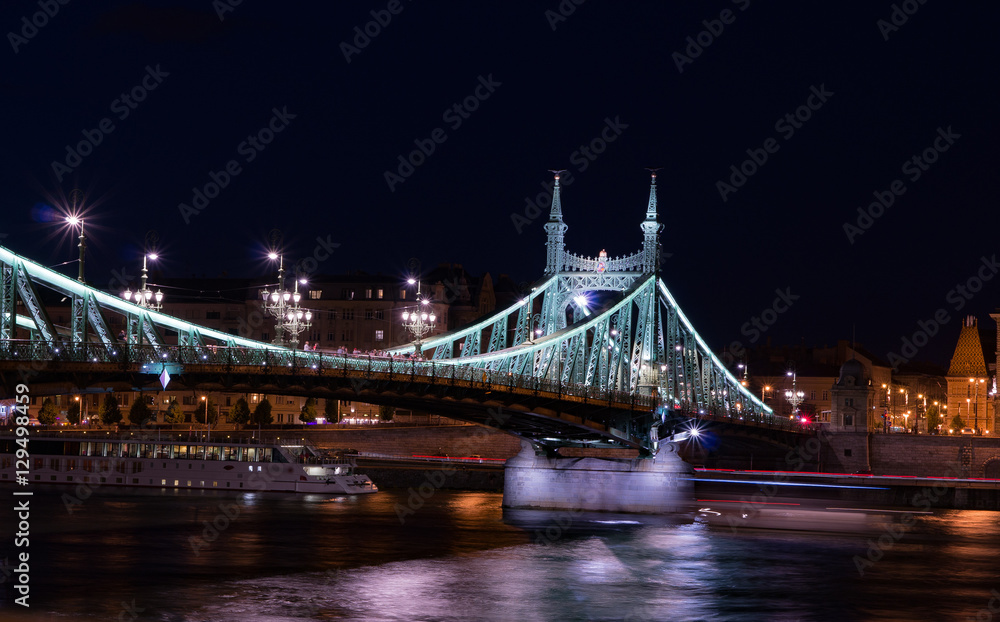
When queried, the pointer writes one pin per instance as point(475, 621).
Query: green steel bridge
point(556, 368)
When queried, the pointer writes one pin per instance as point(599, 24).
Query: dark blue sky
point(542, 87)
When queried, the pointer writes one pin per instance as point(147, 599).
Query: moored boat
point(218, 465)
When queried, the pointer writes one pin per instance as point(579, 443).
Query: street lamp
point(73, 222)
point(794, 397)
point(419, 322)
point(976, 382)
point(762, 390)
point(204, 402)
point(145, 297)
point(284, 306)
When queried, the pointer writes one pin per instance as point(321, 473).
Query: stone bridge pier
point(659, 485)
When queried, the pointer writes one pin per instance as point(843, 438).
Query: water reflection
point(459, 557)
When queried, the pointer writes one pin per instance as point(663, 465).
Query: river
point(149, 555)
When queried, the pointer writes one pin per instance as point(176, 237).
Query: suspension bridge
point(597, 354)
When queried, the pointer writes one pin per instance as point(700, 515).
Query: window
point(265, 336)
point(213, 315)
point(349, 314)
point(368, 293)
point(379, 314)
point(347, 294)
point(187, 400)
point(379, 335)
point(229, 400)
point(812, 395)
point(826, 395)
point(848, 401)
point(330, 336)
point(847, 452)
point(331, 315)
point(315, 294)
point(124, 400)
point(402, 294)
point(380, 293)
point(369, 314)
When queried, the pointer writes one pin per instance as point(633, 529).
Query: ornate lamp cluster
point(145, 297)
point(794, 397)
point(419, 322)
point(290, 318)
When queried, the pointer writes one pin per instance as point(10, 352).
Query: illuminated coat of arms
point(602, 261)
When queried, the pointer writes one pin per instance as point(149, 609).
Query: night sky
point(544, 79)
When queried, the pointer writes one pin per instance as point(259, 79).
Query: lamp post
point(763, 390)
point(73, 222)
point(284, 306)
point(204, 401)
point(975, 409)
point(145, 297)
point(421, 321)
point(794, 396)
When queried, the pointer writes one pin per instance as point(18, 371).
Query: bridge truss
point(593, 329)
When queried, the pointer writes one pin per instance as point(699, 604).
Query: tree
point(330, 409)
point(308, 414)
point(73, 412)
point(111, 414)
point(48, 414)
point(139, 413)
point(262, 414)
point(240, 412)
point(957, 423)
point(213, 411)
point(934, 419)
point(175, 414)
point(386, 412)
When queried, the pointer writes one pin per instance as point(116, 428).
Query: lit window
point(315, 294)
point(368, 293)
point(380, 294)
point(379, 335)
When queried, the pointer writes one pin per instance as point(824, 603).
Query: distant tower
point(853, 397)
point(968, 386)
point(651, 228)
point(556, 230)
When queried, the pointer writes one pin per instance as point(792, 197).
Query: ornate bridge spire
point(556, 230)
point(651, 228)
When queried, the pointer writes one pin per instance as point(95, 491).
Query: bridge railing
point(433, 372)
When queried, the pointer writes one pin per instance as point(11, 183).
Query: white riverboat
point(223, 465)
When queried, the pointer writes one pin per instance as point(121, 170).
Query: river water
point(148, 555)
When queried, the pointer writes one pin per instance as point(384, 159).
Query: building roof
point(968, 358)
